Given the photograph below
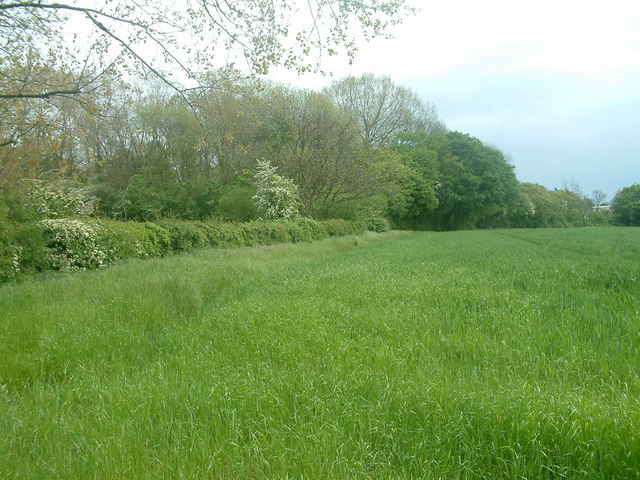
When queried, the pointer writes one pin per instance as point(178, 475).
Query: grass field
point(485, 354)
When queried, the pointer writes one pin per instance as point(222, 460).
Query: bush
point(185, 235)
point(8, 255)
point(73, 244)
point(139, 240)
point(77, 245)
point(236, 204)
point(22, 250)
point(279, 232)
point(225, 235)
point(316, 230)
point(159, 240)
point(44, 200)
point(277, 196)
point(338, 227)
point(265, 233)
point(375, 224)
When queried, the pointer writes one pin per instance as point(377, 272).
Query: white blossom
point(76, 245)
point(276, 195)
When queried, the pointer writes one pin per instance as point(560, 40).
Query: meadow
point(479, 354)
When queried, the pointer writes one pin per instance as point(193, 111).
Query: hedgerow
point(81, 244)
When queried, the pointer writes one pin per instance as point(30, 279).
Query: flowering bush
point(276, 195)
point(52, 200)
point(72, 244)
point(77, 245)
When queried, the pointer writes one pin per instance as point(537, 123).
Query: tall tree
point(626, 206)
point(383, 109)
point(315, 143)
point(475, 183)
point(420, 193)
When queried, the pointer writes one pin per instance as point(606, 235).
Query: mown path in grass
point(488, 354)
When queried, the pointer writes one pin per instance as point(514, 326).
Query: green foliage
point(138, 240)
point(41, 199)
point(538, 207)
point(626, 206)
point(419, 186)
point(143, 199)
point(304, 229)
point(313, 230)
point(8, 254)
point(456, 182)
point(265, 233)
point(376, 224)
point(22, 250)
point(184, 235)
point(296, 232)
point(598, 218)
point(339, 227)
point(227, 235)
point(81, 244)
point(236, 204)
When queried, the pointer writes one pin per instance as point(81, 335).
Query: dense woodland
point(362, 146)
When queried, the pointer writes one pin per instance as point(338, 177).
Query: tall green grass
point(488, 354)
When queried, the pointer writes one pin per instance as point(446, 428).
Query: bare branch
point(49, 94)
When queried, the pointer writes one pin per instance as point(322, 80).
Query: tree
point(598, 197)
point(276, 195)
point(421, 199)
point(383, 109)
point(230, 123)
point(159, 37)
point(475, 183)
point(626, 206)
point(315, 143)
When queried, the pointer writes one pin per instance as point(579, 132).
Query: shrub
point(279, 232)
point(159, 240)
point(8, 255)
point(225, 235)
point(22, 250)
point(339, 227)
point(44, 199)
point(73, 244)
point(256, 233)
point(316, 230)
point(236, 204)
point(295, 231)
point(184, 235)
point(77, 245)
point(134, 239)
point(375, 224)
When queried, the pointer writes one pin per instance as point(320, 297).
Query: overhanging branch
point(49, 94)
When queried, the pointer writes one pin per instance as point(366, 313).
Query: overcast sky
point(555, 84)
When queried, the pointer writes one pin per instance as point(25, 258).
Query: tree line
point(363, 145)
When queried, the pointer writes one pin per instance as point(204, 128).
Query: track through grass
point(488, 354)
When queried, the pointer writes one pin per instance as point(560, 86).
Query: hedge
point(79, 244)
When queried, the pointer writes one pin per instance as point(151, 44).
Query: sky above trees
point(553, 84)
